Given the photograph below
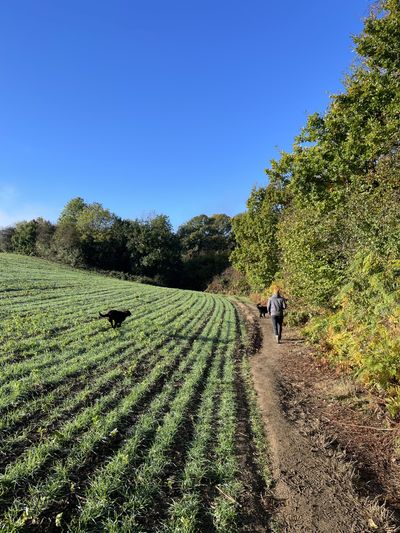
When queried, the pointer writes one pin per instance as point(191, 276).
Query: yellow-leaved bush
point(363, 334)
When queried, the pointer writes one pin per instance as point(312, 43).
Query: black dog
point(116, 317)
point(263, 309)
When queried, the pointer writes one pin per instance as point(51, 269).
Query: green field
point(129, 429)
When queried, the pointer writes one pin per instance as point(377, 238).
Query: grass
point(132, 429)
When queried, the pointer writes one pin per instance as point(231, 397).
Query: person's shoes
point(277, 338)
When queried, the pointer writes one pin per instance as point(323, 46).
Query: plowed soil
point(332, 448)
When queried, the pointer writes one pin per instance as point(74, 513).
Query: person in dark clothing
point(276, 306)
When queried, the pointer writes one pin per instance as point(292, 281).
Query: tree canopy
point(327, 225)
point(206, 243)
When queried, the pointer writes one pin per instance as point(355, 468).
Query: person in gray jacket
point(275, 306)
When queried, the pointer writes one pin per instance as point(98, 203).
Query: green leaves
point(256, 253)
point(332, 230)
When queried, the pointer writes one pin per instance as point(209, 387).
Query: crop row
point(95, 429)
point(69, 360)
point(109, 373)
point(133, 429)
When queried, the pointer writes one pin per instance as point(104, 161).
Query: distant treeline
point(90, 236)
point(327, 226)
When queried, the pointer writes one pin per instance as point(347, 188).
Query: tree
point(153, 249)
point(23, 239)
point(90, 235)
point(94, 225)
point(6, 235)
point(256, 253)
point(163, 252)
point(203, 234)
point(44, 235)
point(206, 243)
point(72, 210)
point(66, 245)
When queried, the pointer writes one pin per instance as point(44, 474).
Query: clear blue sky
point(159, 106)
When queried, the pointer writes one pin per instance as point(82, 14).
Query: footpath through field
point(315, 489)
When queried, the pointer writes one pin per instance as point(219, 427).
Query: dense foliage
point(90, 236)
point(230, 281)
point(256, 252)
point(206, 244)
point(328, 223)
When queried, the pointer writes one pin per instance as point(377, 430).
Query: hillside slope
point(126, 429)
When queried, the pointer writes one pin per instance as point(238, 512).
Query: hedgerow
point(328, 223)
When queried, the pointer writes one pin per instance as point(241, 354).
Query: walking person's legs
point(277, 322)
point(275, 326)
point(279, 327)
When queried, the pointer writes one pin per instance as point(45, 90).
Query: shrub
point(363, 335)
point(231, 281)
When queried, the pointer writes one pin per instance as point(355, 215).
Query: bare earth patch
point(334, 454)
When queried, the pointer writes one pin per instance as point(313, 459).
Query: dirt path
point(314, 481)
